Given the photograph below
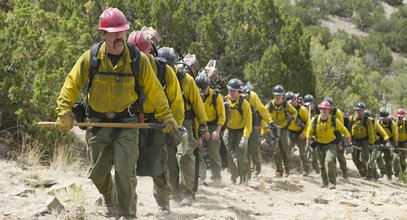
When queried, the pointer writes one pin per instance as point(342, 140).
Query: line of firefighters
point(124, 86)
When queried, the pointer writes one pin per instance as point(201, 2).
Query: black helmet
point(368, 113)
point(278, 90)
point(330, 100)
point(308, 98)
point(383, 114)
point(202, 81)
point(169, 54)
point(289, 96)
point(234, 84)
point(360, 106)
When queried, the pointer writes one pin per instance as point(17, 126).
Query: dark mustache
point(119, 41)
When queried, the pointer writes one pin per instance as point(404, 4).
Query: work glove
point(64, 121)
point(349, 149)
point(272, 125)
point(172, 125)
point(243, 143)
point(388, 145)
point(307, 148)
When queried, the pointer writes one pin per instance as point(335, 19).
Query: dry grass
point(63, 156)
point(31, 152)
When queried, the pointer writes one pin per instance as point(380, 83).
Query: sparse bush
point(394, 2)
point(342, 8)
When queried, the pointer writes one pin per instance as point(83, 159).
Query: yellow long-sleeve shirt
point(361, 128)
point(237, 120)
point(324, 131)
point(401, 125)
point(172, 91)
point(215, 113)
point(255, 101)
point(339, 115)
point(380, 132)
point(392, 132)
point(112, 93)
point(300, 121)
point(278, 115)
point(193, 98)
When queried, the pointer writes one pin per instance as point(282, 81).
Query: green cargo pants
point(181, 165)
point(388, 161)
point(237, 157)
point(403, 156)
point(283, 153)
point(295, 140)
point(372, 167)
point(314, 162)
point(122, 152)
point(361, 157)
point(253, 150)
point(215, 161)
point(399, 163)
point(154, 140)
point(327, 160)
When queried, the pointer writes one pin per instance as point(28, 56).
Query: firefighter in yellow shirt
point(237, 133)
point(361, 130)
point(400, 160)
point(323, 129)
point(388, 149)
point(311, 108)
point(298, 129)
point(151, 139)
point(215, 111)
point(181, 158)
point(258, 111)
point(337, 113)
point(282, 114)
point(380, 135)
point(114, 69)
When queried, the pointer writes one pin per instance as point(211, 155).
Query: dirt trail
point(265, 197)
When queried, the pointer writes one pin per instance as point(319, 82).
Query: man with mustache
point(119, 78)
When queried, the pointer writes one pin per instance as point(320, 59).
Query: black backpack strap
point(239, 105)
point(94, 64)
point(135, 59)
point(161, 69)
point(214, 97)
point(314, 125)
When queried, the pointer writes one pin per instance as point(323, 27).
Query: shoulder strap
point(214, 97)
point(161, 69)
point(285, 106)
point(314, 124)
point(333, 120)
point(94, 63)
point(239, 105)
point(271, 106)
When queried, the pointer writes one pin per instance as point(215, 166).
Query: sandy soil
point(265, 197)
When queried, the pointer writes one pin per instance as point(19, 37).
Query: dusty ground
point(265, 197)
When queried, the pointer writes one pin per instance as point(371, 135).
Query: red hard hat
point(113, 20)
point(401, 113)
point(324, 105)
point(137, 39)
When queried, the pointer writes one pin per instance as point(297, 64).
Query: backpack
point(300, 123)
point(333, 121)
point(284, 109)
point(256, 118)
point(135, 57)
point(352, 122)
point(227, 110)
point(161, 64)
